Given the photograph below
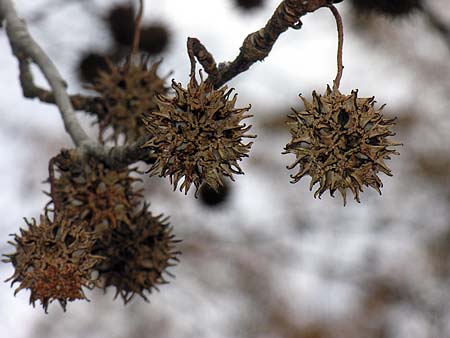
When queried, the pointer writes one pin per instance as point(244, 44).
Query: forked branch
point(23, 45)
point(257, 45)
point(26, 49)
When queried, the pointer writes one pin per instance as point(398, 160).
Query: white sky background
point(263, 199)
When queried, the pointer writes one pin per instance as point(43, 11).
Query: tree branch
point(257, 46)
point(197, 50)
point(340, 29)
point(23, 45)
point(25, 49)
point(122, 156)
point(90, 104)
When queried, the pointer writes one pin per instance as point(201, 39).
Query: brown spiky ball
point(89, 191)
point(197, 135)
point(53, 260)
point(137, 256)
point(342, 142)
point(127, 93)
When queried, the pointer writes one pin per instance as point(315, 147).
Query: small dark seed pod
point(214, 198)
point(154, 38)
point(249, 4)
point(388, 7)
point(91, 65)
point(121, 23)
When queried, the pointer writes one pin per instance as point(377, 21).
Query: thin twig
point(137, 28)
point(191, 55)
point(22, 43)
point(197, 50)
point(340, 29)
point(257, 46)
point(91, 104)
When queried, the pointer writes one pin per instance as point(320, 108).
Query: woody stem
point(340, 29)
point(137, 28)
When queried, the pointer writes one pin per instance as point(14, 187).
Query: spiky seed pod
point(127, 92)
point(53, 260)
point(197, 135)
point(89, 191)
point(137, 256)
point(388, 7)
point(341, 141)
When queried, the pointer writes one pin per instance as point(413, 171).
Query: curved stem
point(340, 29)
point(137, 28)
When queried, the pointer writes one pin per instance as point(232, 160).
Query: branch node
point(196, 50)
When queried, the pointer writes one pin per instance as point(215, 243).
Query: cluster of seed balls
point(194, 136)
point(93, 222)
point(94, 233)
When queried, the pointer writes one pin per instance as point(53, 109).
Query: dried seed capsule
point(89, 191)
point(127, 94)
point(341, 141)
point(53, 260)
point(137, 257)
point(197, 135)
